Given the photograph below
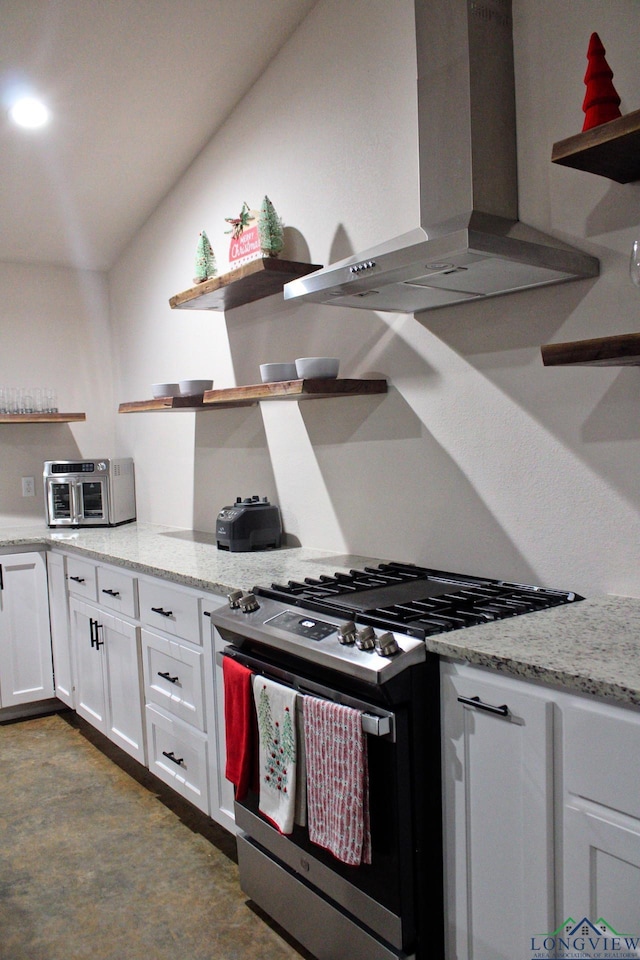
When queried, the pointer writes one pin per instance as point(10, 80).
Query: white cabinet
point(222, 791)
point(26, 669)
point(108, 693)
point(498, 813)
point(59, 622)
point(601, 828)
point(175, 655)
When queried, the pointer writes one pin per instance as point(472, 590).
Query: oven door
point(93, 501)
point(62, 502)
point(324, 903)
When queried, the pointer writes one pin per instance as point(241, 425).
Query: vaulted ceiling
point(136, 88)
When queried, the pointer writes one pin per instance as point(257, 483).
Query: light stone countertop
point(590, 647)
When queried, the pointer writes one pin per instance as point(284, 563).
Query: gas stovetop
point(406, 602)
point(415, 600)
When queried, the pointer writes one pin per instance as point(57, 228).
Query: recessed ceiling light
point(29, 112)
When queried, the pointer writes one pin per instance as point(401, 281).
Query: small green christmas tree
point(270, 227)
point(205, 260)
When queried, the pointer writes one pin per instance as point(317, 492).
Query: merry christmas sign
point(245, 244)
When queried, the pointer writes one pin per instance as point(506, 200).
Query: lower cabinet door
point(26, 669)
point(602, 869)
point(178, 756)
point(108, 685)
point(498, 814)
point(123, 693)
point(89, 661)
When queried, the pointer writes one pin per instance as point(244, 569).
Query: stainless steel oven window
point(93, 499)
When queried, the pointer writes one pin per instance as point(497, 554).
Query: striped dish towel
point(337, 780)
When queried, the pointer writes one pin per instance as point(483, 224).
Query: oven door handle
point(374, 724)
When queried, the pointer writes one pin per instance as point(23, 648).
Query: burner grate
point(414, 600)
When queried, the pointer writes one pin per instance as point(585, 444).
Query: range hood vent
point(470, 244)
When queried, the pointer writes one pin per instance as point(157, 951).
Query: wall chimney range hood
point(470, 244)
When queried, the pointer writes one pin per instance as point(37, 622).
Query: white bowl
point(191, 388)
point(316, 368)
point(275, 372)
point(165, 390)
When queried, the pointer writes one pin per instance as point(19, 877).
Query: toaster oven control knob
point(365, 638)
point(347, 633)
point(248, 603)
point(234, 599)
point(386, 645)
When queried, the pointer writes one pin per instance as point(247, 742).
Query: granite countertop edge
point(590, 647)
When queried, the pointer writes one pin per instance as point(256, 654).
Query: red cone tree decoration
point(601, 100)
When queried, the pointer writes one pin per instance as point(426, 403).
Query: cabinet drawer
point(169, 609)
point(174, 678)
point(178, 756)
point(81, 578)
point(117, 591)
point(602, 755)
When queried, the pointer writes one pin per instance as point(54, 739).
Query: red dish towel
point(337, 780)
point(238, 718)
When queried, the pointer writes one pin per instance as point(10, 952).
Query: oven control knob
point(234, 599)
point(347, 633)
point(365, 638)
point(248, 603)
point(386, 645)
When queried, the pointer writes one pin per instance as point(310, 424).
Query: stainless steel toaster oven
point(89, 493)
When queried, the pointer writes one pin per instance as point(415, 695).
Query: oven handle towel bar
point(379, 724)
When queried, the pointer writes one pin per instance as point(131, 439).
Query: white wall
point(54, 331)
point(479, 459)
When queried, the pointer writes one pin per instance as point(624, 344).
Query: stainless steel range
point(357, 639)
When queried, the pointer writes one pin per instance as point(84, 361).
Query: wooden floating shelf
point(253, 281)
point(620, 351)
point(254, 393)
point(609, 150)
point(295, 390)
point(42, 417)
point(167, 404)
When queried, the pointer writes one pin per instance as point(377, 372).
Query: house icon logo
point(585, 939)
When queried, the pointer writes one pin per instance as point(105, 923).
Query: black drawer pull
point(77, 579)
point(167, 676)
point(476, 702)
point(163, 613)
point(112, 593)
point(171, 756)
point(207, 613)
point(1, 580)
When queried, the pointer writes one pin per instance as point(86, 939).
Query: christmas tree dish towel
point(337, 780)
point(276, 712)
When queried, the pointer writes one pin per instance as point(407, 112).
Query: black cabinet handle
point(77, 579)
point(207, 613)
point(94, 626)
point(163, 613)
point(171, 756)
point(167, 676)
point(476, 702)
point(112, 593)
point(1, 579)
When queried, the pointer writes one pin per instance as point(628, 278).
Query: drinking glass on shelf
point(50, 402)
point(634, 263)
point(26, 400)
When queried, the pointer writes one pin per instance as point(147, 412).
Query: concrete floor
point(98, 860)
